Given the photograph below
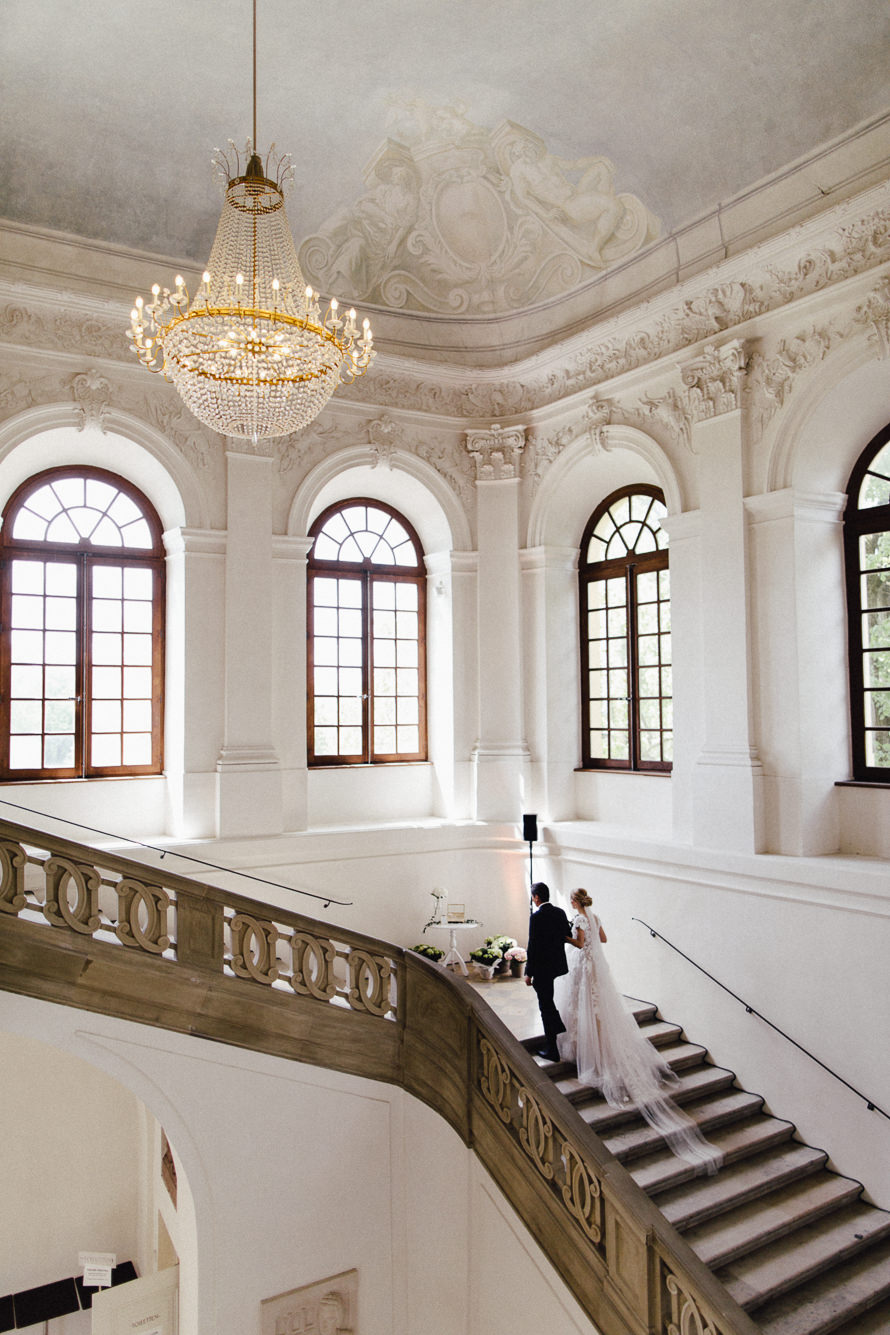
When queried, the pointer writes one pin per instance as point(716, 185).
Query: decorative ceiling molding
point(466, 221)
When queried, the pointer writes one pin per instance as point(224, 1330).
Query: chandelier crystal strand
point(252, 355)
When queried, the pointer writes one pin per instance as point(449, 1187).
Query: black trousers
point(551, 1017)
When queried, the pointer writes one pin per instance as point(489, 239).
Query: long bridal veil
point(612, 1054)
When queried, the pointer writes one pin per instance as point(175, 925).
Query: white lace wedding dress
point(612, 1055)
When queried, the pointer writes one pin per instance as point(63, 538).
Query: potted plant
point(485, 959)
point(516, 958)
point(430, 952)
point(500, 945)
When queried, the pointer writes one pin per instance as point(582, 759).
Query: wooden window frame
point(858, 522)
point(86, 558)
point(629, 568)
point(368, 573)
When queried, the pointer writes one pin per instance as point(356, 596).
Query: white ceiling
point(112, 107)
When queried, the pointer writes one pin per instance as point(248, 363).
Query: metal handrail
point(869, 1103)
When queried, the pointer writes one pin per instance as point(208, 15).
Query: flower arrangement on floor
point(485, 960)
point(431, 952)
point(516, 958)
point(500, 945)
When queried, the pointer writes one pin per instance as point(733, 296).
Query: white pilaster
point(727, 789)
point(500, 756)
point(688, 661)
point(552, 687)
point(803, 703)
point(249, 797)
point(289, 683)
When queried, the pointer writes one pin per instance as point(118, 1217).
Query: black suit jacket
point(548, 929)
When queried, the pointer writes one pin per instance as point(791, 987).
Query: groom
point(548, 930)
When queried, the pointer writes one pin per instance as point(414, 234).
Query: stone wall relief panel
point(457, 219)
point(327, 1307)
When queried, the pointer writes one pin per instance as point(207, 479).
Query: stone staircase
point(793, 1242)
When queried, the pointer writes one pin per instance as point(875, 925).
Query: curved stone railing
point(89, 929)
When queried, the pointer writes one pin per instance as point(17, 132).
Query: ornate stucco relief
point(497, 452)
point(457, 219)
point(714, 380)
point(92, 393)
point(384, 438)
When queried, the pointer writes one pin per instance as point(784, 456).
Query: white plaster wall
point(72, 1163)
point(299, 1173)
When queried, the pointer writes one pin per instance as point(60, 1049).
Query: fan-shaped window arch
point(81, 653)
point(366, 637)
point(625, 605)
point(867, 558)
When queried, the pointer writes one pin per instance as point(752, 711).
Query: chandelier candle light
point(252, 355)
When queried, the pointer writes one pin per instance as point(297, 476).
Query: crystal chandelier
point(252, 355)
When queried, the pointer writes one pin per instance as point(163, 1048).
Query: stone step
point(743, 1229)
point(791, 1261)
point(663, 1171)
point(732, 1105)
point(695, 1083)
point(692, 1203)
point(876, 1321)
point(659, 1032)
point(837, 1300)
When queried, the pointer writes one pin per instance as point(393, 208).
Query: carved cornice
point(497, 453)
point(656, 330)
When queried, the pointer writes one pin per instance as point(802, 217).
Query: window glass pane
point(61, 529)
point(106, 716)
point(351, 741)
point(599, 745)
point(105, 751)
point(107, 615)
point(647, 650)
point(107, 581)
point(25, 716)
point(106, 683)
point(325, 681)
point(138, 617)
point(61, 646)
point(61, 613)
point(407, 740)
point(407, 655)
point(137, 748)
point(596, 593)
point(406, 681)
point(876, 630)
point(877, 749)
point(27, 611)
point(648, 682)
point(351, 653)
point(617, 684)
point(350, 681)
point(25, 682)
point(647, 586)
point(58, 752)
point(619, 746)
point(406, 596)
point(106, 534)
point(874, 551)
point(650, 746)
point(27, 576)
point(59, 716)
point(349, 622)
point(384, 653)
point(324, 592)
point(350, 711)
point(384, 681)
point(25, 753)
point(137, 716)
point(26, 646)
point(138, 583)
point(409, 709)
point(107, 648)
point(61, 579)
point(138, 683)
point(137, 649)
point(876, 669)
point(647, 618)
point(27, 527)
point(385, 740)
point(650, 714)
point(617, 621)
point(325, 741)
point(325, 650)
point(325, 709)
point(59, 683)
point(618, 714)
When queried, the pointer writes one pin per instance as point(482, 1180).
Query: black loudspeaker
point(530, 828)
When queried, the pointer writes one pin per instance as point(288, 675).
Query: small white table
point(454, 956)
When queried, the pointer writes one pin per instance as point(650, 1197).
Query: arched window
point(367, 642)
point(867, 558)
point(81, 653)
point(626, 634)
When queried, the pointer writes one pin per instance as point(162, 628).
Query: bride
point(604, 1041)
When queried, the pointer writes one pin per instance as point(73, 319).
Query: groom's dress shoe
point(550, 1054)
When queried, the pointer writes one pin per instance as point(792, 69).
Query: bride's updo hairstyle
point(583, 898)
